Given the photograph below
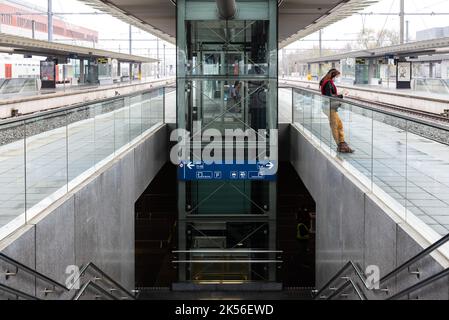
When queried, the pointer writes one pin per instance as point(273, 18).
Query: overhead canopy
point(23, 45)
point(297, 18)
point(419, 48)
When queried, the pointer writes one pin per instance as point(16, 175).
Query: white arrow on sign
point(190, 165)
point(270, 165)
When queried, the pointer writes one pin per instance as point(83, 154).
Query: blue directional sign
point(196, 171)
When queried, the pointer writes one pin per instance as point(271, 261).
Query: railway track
point(381, 106)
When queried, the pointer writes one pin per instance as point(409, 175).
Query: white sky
point(109, 28)
point(347, 29)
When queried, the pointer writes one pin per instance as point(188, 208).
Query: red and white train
point(17, 67)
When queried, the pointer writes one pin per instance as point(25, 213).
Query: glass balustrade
point(400, 159)
point(44, 156)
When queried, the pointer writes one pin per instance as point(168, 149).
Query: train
point(19, 67)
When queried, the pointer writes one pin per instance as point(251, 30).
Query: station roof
point(412, 49)
point(297, 18)
point(22, 45)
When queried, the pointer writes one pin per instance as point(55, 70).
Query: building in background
point(23, 19)
point(18, 18)
point(432, 33)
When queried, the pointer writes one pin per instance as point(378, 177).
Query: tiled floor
point(411, 169)
point(56, 157)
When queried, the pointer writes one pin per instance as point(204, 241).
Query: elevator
point(227, 67)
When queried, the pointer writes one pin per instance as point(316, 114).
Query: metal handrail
point(55, 284)
point(356, 288)
point(103, 274)
point(35, 273)
point(392, 114)
point(75, 106)
point(227, 251)
point(421, 284)
point(91, 283)
point(416, 258)
point(394, 272)
point(348, 265)
point(17, 293)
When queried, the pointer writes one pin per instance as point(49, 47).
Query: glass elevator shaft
point(227, 90)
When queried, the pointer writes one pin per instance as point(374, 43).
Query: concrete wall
point(94, 223)
point(354, 225)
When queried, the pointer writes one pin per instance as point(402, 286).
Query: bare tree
point(369, 38)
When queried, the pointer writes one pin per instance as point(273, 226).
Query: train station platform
point(226, 182)
point(57, 153)
point(69, 95)
point(424, 101)
point(409, 169)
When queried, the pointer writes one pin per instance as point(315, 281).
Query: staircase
point(91, 283)
point(352, 283)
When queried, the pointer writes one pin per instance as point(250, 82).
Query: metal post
point(130, 52)
point(165, 70)
point(50, 20)
point(158, 62)
point(407, 30)
point(284, 62)
point(402, 21)
point(63, 75)
point(33, 29)
point(82, 73)
point(321, 43)
point(320, 66)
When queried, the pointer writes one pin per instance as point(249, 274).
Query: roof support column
point(82, 74)
point(50, 20)
point(131, 52)
point(402, 21)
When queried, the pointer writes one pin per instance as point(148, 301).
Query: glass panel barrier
point(389, 159)
point(80, 142)
point(44, 156)
point(135, 116)
point(146, 112)
point(46, 161)
point(105, 129)
point(12, 176)
point(157, 107)
point(427, 175)
point(400, 159)
point(122, 127)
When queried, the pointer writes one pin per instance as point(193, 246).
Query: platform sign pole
point(130, 52)
point(50, 20)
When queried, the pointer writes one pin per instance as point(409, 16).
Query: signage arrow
point(190, 165)
point(270, 165)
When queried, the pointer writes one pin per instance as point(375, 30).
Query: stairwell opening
point(156, 231)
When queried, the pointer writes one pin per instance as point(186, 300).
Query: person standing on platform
point(328, 88)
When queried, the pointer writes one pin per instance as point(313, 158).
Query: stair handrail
point(338, 275)
point(17, 293)
point(103, 274)
point(92, 283)
point(424, 253)
point(20, 266)
point(421, 284)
